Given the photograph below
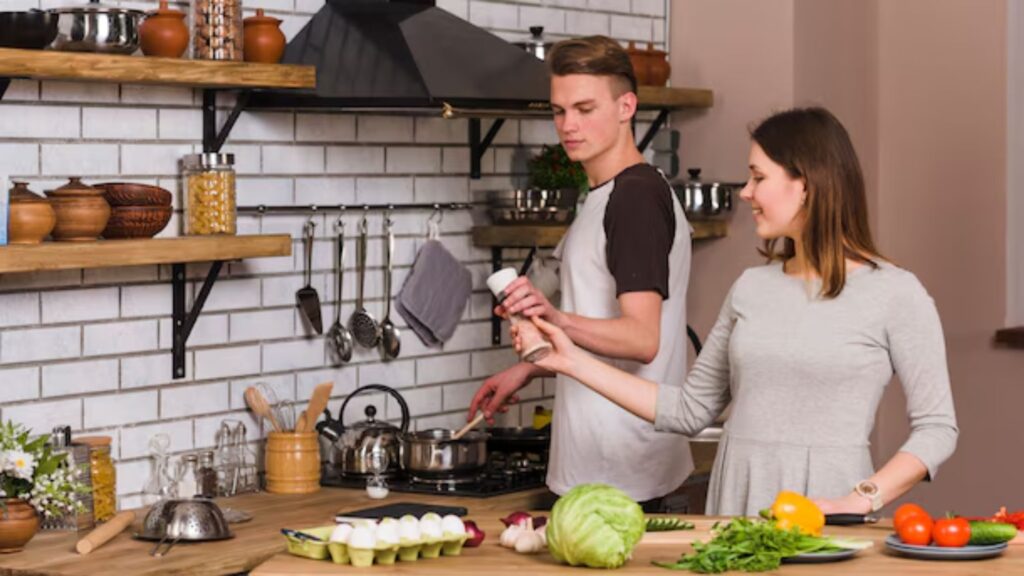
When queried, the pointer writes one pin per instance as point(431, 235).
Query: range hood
point(408, 55)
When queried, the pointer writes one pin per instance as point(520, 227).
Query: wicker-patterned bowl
point(137, 221)
point(132, 194)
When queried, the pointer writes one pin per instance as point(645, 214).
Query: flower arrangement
point(551, 169)
point(31, 471)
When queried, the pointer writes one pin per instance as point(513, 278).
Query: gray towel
point(435, 294)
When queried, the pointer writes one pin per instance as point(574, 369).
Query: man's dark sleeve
point(640, 224)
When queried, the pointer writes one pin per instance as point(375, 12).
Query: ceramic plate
point(818, 557)
point(939, 553)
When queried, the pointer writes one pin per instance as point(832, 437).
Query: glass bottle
point(207, 476)
point(186, 475)
point(103, 477)
point(217, 32)
point(210, 194)
point(160, 485)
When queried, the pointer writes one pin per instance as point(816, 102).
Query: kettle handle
point(379, 388)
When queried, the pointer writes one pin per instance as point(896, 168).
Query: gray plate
point(819, 557)
point(939, 553)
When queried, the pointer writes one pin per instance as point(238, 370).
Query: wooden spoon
point(317, 402)
point(469, 426)
point(260, 407)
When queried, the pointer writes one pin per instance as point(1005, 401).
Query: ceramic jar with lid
point(31, 217)
point(264, 41)
point(164, 33)
point(82, 211)
point(638, 58)
point(658, 67)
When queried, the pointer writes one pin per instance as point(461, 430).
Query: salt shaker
point(534, 346)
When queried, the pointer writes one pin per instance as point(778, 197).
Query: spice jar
point(217, 30)
point(210, 190)
point(534, 345)
point(207, 475)
point(103, 475)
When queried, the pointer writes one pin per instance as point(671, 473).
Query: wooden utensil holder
point(293, 462)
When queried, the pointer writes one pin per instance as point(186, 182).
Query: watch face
point(867, 488)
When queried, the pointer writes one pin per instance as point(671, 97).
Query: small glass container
point(207, 476)
point(217, 30)
point(187, 475)
point(103, 477)
point(210, 194)
point(76, 458)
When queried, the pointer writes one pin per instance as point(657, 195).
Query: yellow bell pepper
point(791, 509)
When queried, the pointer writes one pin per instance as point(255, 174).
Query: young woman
point(804, 346)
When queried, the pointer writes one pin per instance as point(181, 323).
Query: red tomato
point(916, 530)
point(906, 511)
point(951, 532)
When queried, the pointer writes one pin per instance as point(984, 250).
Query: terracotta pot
point(82, 212)
point(639, 60)
point(164, 33)
point(132, 194)
point(17, 525)
point(658, 67)
point(31, 216)
point(264, 41)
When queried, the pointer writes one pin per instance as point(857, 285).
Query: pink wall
point(921, 85)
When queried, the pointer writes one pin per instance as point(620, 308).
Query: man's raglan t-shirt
point(630, 235)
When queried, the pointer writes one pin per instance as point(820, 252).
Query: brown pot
point(31, 216)
point(137, 221)
point(264, 41)
point(658, 67)
point(164, 33)
point(639, 60)
point(82, 212)
point(18, 524)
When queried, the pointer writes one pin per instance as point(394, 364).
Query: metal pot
point(532, 206)
point(519, 439)
point(33, 29)
point(432, 454)
point(705, 200)
point(536, 44)
point(97, 28)
point(359, 441)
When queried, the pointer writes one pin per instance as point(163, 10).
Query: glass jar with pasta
point(210, 194)
point(103, 476)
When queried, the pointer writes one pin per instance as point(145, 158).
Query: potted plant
point(552, 169)
point(34, 482)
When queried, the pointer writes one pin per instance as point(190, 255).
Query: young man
point(625, 265)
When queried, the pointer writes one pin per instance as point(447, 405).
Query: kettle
point(358, 441)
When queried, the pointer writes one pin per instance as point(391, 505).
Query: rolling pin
point(103, 534)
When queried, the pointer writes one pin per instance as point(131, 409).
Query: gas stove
point(504, 473)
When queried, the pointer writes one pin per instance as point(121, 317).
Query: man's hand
point(525, 299)
point(498, 391)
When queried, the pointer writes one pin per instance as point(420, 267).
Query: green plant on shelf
point(551, 169)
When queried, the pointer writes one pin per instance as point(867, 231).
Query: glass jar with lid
point(210, 193)
point(103, 475)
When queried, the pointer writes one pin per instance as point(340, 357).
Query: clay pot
point(17, 526)
point(31, 216)
point(658, 67)
point(137, 221)
point(164, 33)
point(82, 212)
point(132, 194)
point(264, 41)
point(639, 60)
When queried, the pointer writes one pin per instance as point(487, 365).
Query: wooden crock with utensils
point(293, 462)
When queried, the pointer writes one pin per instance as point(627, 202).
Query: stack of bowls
point(137, 210)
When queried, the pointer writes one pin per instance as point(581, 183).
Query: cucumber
point(983, 533)
point(666, 524)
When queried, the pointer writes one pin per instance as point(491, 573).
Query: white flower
point(4, 461)
point(21, 463)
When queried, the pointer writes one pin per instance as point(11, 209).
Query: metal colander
point(192, 520)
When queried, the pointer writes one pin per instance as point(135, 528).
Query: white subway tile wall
point(92, 348)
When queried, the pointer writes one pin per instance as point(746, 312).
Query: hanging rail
point(314, 208)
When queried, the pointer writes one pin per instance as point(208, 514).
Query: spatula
point(317, 403)
point(260, 407)
point(469, 426)
point(307, 298)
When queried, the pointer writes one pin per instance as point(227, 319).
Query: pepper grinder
point(534, 346)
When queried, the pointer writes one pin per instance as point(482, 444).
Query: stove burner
point(441, 482)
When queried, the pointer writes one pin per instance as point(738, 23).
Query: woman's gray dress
point(805, 375)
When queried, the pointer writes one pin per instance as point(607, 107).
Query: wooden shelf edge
point(1011, 337)
point(659, 97)
point(55, 65)
point(548, 236)
point(707, 229)
point(114, 253)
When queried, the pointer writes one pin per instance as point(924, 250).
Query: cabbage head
point(594, 525)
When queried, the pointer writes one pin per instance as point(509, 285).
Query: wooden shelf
point(548, 236)
point(663, 97)
point(1012, 337)
point(110, 253)
point(55, 65)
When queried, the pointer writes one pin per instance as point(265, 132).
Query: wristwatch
point(869, 490)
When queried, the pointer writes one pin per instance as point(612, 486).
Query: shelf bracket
point(185, 321)
point(495, 319)
point(478, 147)
point(652, 131)
point(4, 84)
point(213, 140)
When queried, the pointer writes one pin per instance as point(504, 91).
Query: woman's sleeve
point(918, 353)
point(690, 408)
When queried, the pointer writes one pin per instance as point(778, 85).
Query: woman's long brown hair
point(811, 144)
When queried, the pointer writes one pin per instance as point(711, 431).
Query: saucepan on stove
point(434, 455)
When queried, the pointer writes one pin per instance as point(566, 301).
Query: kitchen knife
point(849, 519)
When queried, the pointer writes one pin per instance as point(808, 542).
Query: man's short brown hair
point(593, 55)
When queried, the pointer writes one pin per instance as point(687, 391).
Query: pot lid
point(535, 39)
point(695, 181)
point(371, 424)
point(75, 187)
point(261, 18)
point(20, 194)
point(94, 7)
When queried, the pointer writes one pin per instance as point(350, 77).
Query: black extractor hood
point(408, 55)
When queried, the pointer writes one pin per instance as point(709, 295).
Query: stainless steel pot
point(705, 200)
point(97, 28)
point(432, 454)
point(532, 206)
point(352, 451)
point(536, 44)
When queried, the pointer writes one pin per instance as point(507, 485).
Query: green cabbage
point(594, 525)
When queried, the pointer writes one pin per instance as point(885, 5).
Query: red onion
point(517, 518)
point(476, 535)
point(539, 522)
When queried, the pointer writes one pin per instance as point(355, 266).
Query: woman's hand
point(852, 503)
point(563, 358)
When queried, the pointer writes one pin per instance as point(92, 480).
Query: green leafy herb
point(752, 546)
point(552, 169)
point(663, 524)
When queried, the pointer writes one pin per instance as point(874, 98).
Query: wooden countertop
point(52, 553)
point(492, 559)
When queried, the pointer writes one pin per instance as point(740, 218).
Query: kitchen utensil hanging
point(307, 298)
point(339, 339)
point(390, 337)
point(363, 325)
